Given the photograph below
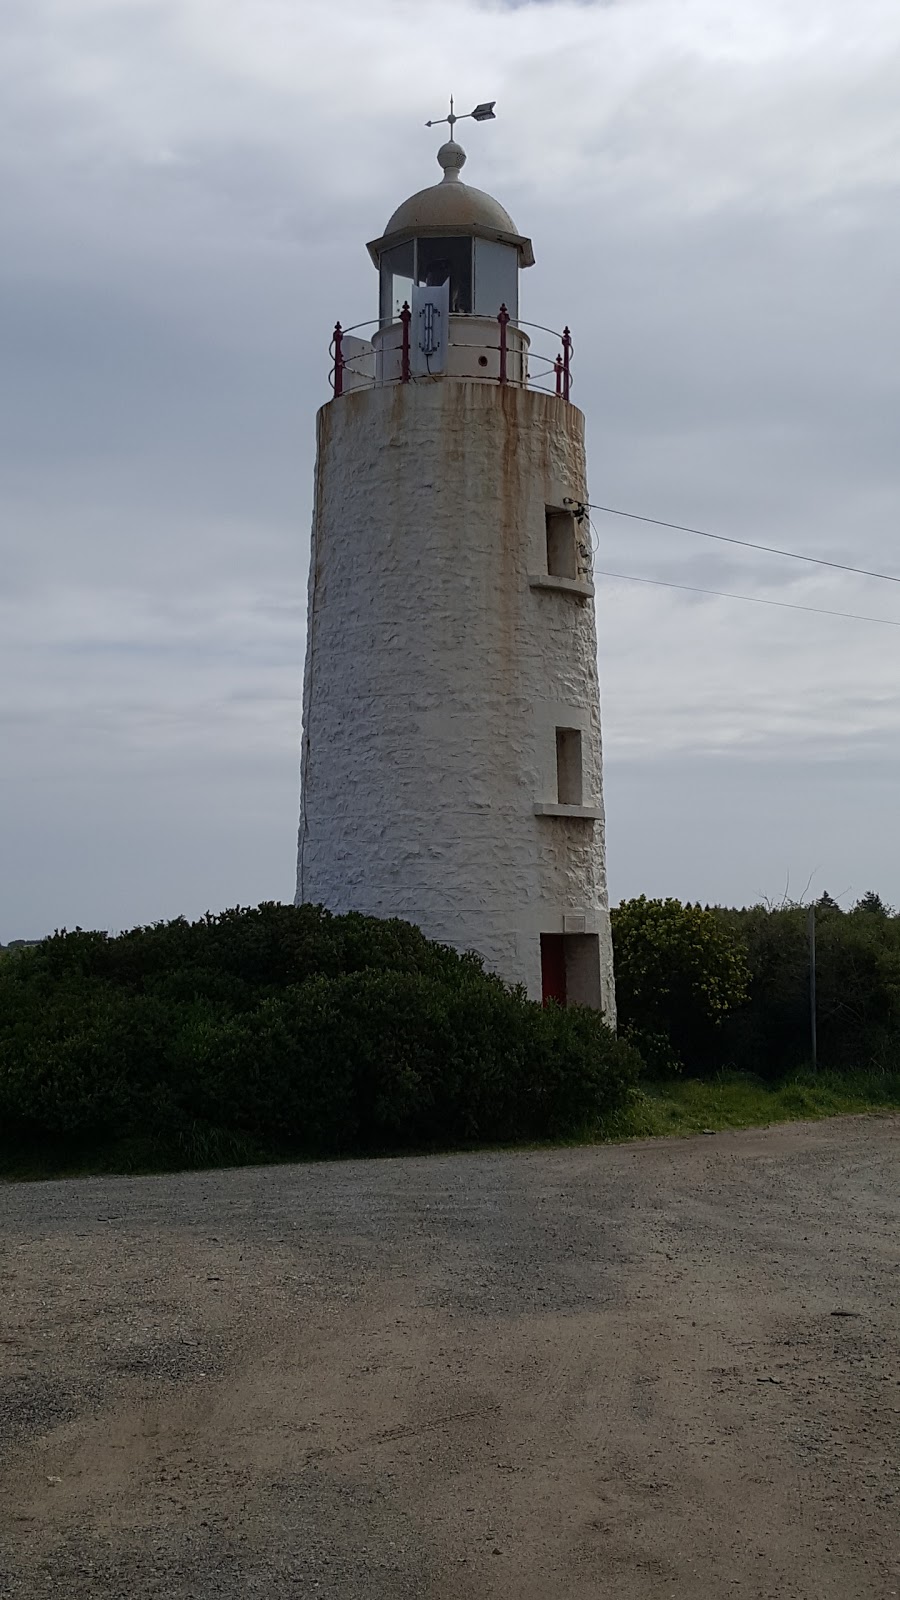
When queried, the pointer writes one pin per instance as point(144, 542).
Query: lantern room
point(448, 267)
point(451, 234)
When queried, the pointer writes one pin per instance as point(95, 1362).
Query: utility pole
point(811, 925)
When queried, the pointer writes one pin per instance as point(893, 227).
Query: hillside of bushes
point(282, 1031)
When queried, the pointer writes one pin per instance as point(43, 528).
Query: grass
point(693, 1105)
point(674, 1107)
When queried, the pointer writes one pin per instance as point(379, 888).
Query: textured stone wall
point(436, 673)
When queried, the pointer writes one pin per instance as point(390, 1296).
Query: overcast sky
point(187, 189)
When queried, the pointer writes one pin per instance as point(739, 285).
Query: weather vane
point(483, 113)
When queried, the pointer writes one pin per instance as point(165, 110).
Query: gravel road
point(650, 1370)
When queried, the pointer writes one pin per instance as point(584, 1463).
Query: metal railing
point(554, 374)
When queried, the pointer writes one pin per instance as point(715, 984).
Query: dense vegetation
point(705, 989)
point(286, 1030)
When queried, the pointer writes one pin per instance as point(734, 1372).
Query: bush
point(290, 1030)
point(857, 989)
point(729, 989)
point(679, 971)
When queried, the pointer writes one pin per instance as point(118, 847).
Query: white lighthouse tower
point(451, 762)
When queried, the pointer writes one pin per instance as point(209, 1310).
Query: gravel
point(660, 1369)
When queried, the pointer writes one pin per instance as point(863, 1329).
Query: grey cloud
point(715, 216)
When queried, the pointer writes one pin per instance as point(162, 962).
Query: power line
point(754, 599)
point(748, 544)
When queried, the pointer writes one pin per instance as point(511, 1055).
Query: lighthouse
point(451, 757)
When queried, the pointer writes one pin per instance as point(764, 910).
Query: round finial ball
point(451, 157)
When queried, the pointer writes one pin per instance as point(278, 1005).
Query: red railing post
point(503, 319)
point(558, 369)
point(405, 316)
point(338, 360)
point(567, 362)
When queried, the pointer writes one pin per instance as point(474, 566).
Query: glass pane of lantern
point(496, 278)
point(397, 273)
point(440, 259)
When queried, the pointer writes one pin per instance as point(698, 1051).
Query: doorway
point(570, 969)
point(553, 968)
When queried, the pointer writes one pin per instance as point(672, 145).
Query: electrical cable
point(748, 544)
point(754, 599)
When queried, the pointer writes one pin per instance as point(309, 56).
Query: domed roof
point(452, 207)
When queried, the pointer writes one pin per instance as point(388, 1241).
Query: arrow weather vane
point(483, 113)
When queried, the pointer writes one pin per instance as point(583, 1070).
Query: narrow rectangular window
point(562, 556)
point(568, 766)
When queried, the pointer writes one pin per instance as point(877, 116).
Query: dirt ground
point(652, 1370)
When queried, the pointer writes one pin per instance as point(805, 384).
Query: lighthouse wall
point(438, 671)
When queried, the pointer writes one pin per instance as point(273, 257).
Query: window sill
point(582, 587)
point(589, 813)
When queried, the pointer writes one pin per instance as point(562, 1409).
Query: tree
point(679, 970)
point(873, 905)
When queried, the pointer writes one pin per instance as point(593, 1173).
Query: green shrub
point(679, 971)
point(289, 1030)
point(67, 1059)
point(857, 989)
point(711, 989)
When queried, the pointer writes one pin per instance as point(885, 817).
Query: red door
point(553, 967)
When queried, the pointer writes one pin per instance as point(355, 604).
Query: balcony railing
point(482, 349)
